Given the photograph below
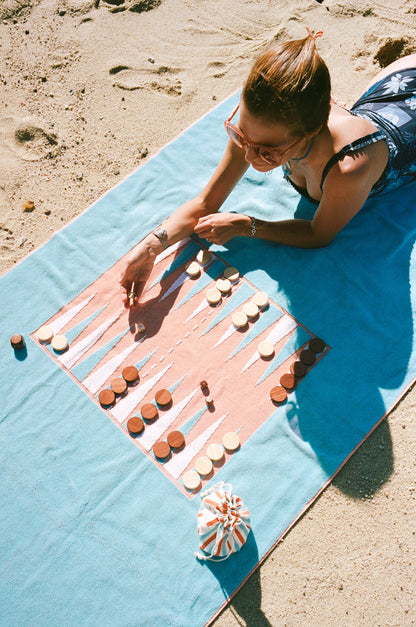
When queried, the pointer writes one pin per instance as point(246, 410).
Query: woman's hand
point(218, 228)
point(136, 273)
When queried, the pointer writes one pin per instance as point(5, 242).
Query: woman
point(335, 157)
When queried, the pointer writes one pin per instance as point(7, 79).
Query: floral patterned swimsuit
point(390, 105)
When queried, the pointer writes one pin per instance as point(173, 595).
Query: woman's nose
point(250, 154)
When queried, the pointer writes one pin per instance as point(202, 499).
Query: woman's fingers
point(216, 228)
point(134, 277)
point(203, 227)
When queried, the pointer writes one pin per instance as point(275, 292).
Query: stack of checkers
point(223, 286)
point(204, 465)
point(118, 386)
point(250, 311)
point(298, 369)
point(149, 413)
point(17, 342)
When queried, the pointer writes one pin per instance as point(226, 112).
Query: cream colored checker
point(203, 256)
point(251, 309)
point(45, 334)
point(232, 274)
point(265, 348)
point(239, 319)
point(215, 452)
point(191, 480)
point(260, 299)
point(59, 343)
point(203, 465)
point(231, 441)
point(223, 285)
point(213, 296)
point(192, 268)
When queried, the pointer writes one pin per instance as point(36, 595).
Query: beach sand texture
point(89, 89)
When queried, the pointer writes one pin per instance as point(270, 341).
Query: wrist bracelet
point(253, 226)
point(162, 236)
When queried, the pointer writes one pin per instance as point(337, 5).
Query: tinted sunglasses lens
point(235, 136)
point(270, 157)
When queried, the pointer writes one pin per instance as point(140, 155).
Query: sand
point(89, 90)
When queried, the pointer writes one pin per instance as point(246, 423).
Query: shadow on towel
point(357, 294)
point(247, 604)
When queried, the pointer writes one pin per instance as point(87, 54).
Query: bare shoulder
point(360, 168)
point(344, 127)
point(368, 161)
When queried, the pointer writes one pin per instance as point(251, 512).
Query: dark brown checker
point(163, 397)
point(118, 385)
point(298, 368)
point(161, 449)
point(308, 357)
point(106, 397)
point(317, 345)
point(135, 425)
point(288, 380)
point(130, 374)
point(278, 394)
point(17, 342)
point(149, 411)
point(175, 439)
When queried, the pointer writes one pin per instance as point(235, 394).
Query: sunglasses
point(272, 156)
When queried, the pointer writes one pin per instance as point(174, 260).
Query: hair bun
point(314, 34)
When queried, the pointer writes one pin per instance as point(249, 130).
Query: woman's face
point(274, 135)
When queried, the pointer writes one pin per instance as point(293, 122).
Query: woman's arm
point(346, 189)
point(182, 223)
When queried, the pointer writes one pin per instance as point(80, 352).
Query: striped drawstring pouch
point(223, 523)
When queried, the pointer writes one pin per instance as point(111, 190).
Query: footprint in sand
point(392, 50)
point(26, 138)
point(7, 241)
point(389, 51)
point(161, 79)
point(217, 69)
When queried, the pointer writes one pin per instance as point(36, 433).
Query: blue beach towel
point(92, 529)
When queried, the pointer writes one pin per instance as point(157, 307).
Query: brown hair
point(290, 83)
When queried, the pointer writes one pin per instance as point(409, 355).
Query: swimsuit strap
point(356, 145)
